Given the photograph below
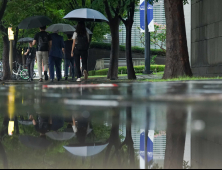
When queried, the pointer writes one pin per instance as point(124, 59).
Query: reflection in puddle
point(109, 127)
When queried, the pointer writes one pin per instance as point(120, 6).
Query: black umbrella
point(34, 142)
point(34, 22)
point(86, 14)
point(25, 40)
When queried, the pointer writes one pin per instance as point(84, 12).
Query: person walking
point(56, 55)
point(69, 61)
point(31, 54)
point(44, 43)
point(80, 48)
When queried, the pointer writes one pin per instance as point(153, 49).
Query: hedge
point(107, 46)
point(123, 70)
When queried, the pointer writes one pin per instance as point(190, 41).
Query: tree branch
point(107, 9)
point(117, 14)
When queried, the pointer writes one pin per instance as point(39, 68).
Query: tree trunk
point(129, 60)
point(177, 57)
point(175, 138)
point(114, 54)
point(6, 68)
point(3, 7)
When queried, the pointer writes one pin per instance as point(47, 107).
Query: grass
point(185, 78)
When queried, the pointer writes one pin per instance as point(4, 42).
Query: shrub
point(123, 70)
point(107, 46)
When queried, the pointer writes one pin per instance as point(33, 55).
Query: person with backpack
point(69, 61)
point(56, 55)
point(30, 53)
point(80, 48)
point(44, 43)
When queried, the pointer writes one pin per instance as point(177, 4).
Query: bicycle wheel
point(24, 74)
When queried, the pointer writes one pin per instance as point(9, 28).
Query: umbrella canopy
point(60, 28)
point(34, 142)
point(86, 14)
point(60, 136)
point(71, 32)
point(34, 22)
point(86, 150)
point(28, 122)
point(25, 40)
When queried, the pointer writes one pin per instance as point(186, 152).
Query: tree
point(114, 22)
point(158, 37)
point(128, 22)
point(177, 57)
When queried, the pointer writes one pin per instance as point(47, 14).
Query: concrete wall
point(206, 144)
point(95, 54)
point(206, 40)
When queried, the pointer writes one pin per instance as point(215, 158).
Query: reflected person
point(82, 126)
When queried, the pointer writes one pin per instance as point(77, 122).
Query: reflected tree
point(175, 137)
point(114, 139)
point(3, 132)
point(129, 140)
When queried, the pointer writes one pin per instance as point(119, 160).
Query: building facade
point(206, 37)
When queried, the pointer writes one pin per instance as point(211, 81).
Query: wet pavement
point(76, 125)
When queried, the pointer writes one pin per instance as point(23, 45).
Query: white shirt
point(75, 35)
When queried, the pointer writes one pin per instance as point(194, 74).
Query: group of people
point(50, 51)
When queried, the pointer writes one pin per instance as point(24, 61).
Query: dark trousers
point(84, 56)
point(30, 65)
point(69, 62)
point(55, 61)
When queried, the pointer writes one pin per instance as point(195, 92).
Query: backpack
point(83, 44)
point(43, 42)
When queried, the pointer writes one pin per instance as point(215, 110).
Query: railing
point(104, 63)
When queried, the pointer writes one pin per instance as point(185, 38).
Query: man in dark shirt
point(69, 61)
point(44, 43)
point(31, 53)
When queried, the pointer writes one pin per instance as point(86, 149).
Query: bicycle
point(20, 72)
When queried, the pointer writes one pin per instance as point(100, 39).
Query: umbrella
point(71, 32)
point(34, 22)
point(25, 122)
point(86, 150)
point(25, 40)
point(34, 142)
point(60, 135)
point(86, 14)
point(60, 28)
